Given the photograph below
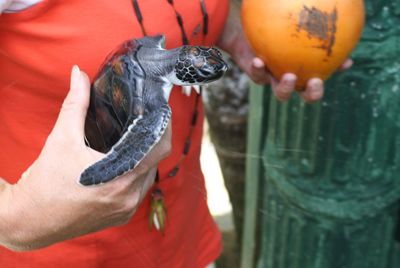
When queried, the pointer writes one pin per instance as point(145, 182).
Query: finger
point(284, 88)
point(314, 90)
point(138, 186)
point(71, 119)
point(346, 65)
point(258, 72)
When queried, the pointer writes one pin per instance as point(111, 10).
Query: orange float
point(310, 38)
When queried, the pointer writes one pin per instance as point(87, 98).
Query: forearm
point(234, 42)
point(21, 224)
point(232, 35)
point(8, 228)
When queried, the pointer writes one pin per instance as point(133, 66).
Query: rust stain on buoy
point(320, 25)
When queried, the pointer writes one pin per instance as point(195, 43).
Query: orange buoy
point(310, 38)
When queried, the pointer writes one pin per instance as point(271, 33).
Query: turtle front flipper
point(140, 137)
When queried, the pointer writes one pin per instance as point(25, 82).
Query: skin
point(234, 42)
point(50, 200)
point(48, 197)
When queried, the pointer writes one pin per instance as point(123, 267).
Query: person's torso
point(38, 47)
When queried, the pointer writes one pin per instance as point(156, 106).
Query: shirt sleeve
point(12, 6)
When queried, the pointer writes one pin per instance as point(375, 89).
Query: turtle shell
point(114, 97)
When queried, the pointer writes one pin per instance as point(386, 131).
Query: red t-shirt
point(38, 46)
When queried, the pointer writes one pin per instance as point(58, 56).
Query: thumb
point(71, 119)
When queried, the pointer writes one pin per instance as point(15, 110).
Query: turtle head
point(198, 65)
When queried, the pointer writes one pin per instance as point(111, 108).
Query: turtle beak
point(223, 66)
point(219, 69)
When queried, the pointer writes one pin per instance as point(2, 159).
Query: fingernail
point(258, 63)
point(289, 77)
point(316, 84)
point(75, 76)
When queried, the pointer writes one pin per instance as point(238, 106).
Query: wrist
point(8, 229)
point(233, 39)
point(15, 233)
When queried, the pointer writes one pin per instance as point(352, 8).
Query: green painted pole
point(331, 181)
point(253, 172)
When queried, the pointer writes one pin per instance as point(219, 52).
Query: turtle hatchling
point(129, 111)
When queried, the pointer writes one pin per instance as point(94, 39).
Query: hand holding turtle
point(52, 204)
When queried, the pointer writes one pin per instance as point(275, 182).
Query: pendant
point(158, 211)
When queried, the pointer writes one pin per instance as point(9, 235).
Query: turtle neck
point(157, 62)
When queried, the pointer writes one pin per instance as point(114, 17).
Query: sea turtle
point(129, 111)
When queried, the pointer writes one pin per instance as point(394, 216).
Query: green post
point(331, 170)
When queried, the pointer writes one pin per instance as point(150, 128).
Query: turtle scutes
point(129, 111)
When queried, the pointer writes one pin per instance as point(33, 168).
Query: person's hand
point(48, 205)
point(284, 88)
point(234, 42)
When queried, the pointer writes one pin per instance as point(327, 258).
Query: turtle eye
point(212, 61)
point(216, 53)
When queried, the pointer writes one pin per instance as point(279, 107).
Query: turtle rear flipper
point(138, 140)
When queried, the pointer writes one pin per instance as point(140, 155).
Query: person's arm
point(48, 205)
point(234, 42)
point(5, 222)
